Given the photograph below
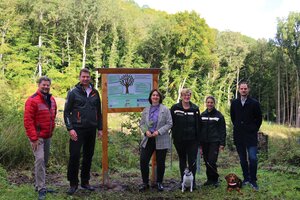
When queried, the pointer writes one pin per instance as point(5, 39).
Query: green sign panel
point(128, 90)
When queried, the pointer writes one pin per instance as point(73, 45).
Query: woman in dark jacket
point(212, 139)
point(185, 132)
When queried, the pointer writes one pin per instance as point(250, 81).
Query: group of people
point(83, 118)
point(191, 130)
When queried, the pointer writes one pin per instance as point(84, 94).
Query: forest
point(57, 38)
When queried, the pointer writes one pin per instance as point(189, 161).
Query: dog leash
point(208, 164)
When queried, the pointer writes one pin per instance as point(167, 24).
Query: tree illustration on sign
point(127, 80)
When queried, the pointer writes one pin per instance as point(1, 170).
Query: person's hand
point(155, 133)
point(34, 145)
point(99, 134)
point(73, 135)
point(148, 134)
point(221, 148)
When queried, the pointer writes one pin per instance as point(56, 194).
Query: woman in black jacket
point(212, 139)
point(185, 132)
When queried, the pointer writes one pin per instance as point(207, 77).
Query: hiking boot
point(42, 194)
point(72, 190)
point(254, 186)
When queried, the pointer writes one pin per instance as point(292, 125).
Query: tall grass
point(14, 148)
point(284, 147)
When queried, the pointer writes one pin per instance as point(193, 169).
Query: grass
point(280, 131)
point(278, 174)
point(273, 186)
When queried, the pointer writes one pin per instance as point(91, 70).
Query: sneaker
point(245, 182)
point(87, 187)
point(72, 190)
point(42, 194)
point(160, 187)
point(254, 186)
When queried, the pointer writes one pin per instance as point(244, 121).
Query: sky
point(254, 18)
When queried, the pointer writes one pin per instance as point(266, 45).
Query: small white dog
point(188, 180)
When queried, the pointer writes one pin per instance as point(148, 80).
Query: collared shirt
point(153, 117)
point(88, 90)
point(243, 100)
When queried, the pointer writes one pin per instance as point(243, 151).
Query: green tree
point(288, 39)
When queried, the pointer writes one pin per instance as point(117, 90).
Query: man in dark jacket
point(82, 117)
point(39, 122)
point(185, 132)
point(246, 117)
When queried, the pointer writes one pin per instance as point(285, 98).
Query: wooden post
point(105, 176)
point(153, 162)
point(106, 110)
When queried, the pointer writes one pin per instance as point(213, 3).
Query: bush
point(123, 151)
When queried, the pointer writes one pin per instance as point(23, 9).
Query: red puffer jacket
point(39, 117)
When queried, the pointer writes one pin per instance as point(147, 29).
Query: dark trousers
point(210, 155)
point(86, 140)
point(145, 157)
point(187, 153)
point(248, 161)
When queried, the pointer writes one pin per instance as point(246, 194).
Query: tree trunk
point(166, 74)
point(291, 111)
point(68, 50)
point(2, 43)
point(287, 96)
point(40, 46)
point(268, 109)
point(84, 47)
point(278, 110)
point(98, 61)
point(97, 80)
point(297, 100)
point(298, 118)
point(237, 82)
point(113, 50)
point(284, 103)
point(181, 85)
point(40, 57)
point(229, 95)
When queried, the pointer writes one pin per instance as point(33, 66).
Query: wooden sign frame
point(105, 110)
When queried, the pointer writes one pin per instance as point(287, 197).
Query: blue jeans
point(248, 163)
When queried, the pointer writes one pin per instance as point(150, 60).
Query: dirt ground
point(117, 182)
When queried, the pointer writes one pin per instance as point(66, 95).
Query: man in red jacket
point(39, 122)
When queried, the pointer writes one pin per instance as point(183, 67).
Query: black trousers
point(146, 154)
point(210, 152)
point(187, 153)
point(86, 141)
